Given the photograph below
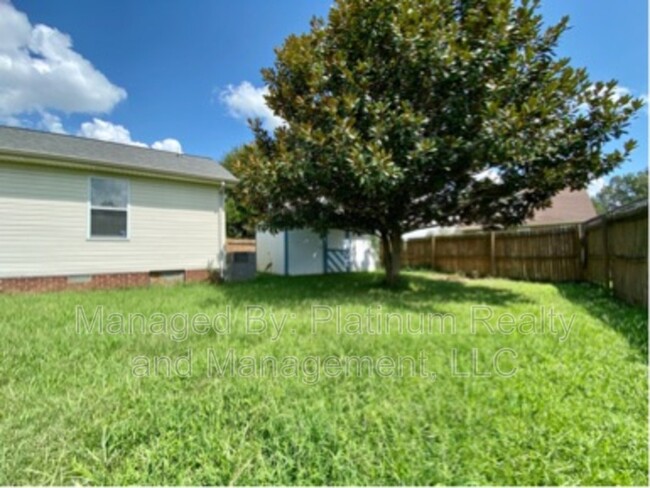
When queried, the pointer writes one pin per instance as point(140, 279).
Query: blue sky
point(186, 74)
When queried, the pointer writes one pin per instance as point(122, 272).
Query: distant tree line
point(622, 190)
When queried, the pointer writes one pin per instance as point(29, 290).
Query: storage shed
point(304, 252)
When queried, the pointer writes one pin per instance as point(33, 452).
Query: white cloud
point(40, 71)
point(169, 144)
point(107, 131)
point(246, 101)
point(51, 123)
point(595, 186)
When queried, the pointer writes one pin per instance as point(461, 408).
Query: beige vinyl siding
point(44, 223)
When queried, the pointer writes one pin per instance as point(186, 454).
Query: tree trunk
point(392, 244)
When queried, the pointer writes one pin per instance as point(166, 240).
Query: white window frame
point(92, 207)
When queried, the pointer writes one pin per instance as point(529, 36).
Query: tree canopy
point(240, 222)
point(402, 114)
point(622, 190)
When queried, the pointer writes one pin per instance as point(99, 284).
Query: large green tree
point(622, 190)
point(240, 221)
point(408, 113)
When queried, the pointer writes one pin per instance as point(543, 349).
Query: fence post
point(582, 250)
point(606, 252)
point(433, 252)
point(493, 256)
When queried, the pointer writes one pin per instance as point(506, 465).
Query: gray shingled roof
point(79, 149)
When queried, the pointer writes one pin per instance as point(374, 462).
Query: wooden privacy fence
point(610, 250)
point(240, 245)
point(545, 254)
point(617, 252)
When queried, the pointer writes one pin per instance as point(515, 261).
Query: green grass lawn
point(76, 408)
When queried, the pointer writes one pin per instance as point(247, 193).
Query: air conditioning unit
point(240, 266)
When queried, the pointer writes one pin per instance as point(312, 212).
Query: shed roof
point(45, 145)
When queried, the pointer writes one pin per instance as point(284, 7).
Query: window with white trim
point(109, 207)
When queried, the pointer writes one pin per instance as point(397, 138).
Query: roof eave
point(87, 164)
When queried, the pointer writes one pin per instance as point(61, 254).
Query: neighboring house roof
point(567, 207)
point(30, 144)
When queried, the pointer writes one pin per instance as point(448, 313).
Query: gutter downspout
point(222, 230)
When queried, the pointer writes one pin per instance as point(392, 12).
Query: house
point(83, 213)
point(567, 207)
point(303, 252)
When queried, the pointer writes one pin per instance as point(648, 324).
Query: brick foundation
point(41, 284)
point(196, 275)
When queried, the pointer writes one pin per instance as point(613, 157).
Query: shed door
point(338, 261)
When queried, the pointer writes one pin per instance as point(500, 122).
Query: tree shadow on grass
point(416, 292)
point(629, 321)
